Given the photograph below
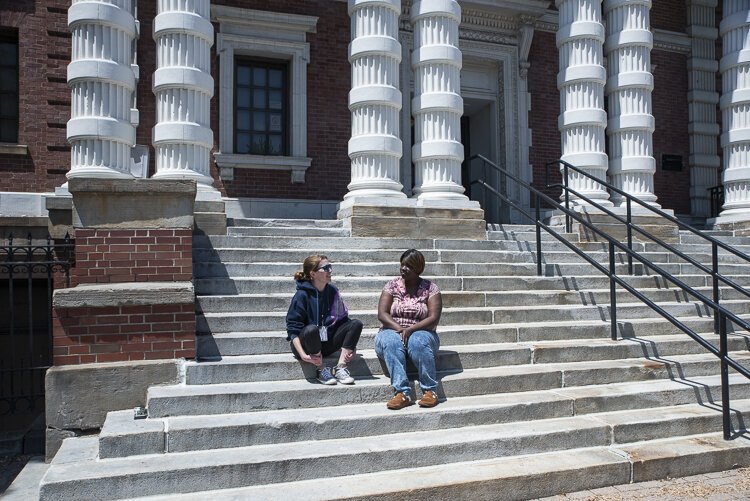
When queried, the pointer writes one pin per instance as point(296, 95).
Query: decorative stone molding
point(437, 105)
point(581, 80)
point(263, 34)
point(183, 87)
point(702, 100)
point(102, 80)
point(630, 82)
point(735, 110)
point(375, 99)
point(13, 149)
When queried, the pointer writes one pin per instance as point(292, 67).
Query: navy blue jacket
point(310, 307)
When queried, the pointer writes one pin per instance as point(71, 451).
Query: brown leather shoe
point(429, 399)
point(399, 401)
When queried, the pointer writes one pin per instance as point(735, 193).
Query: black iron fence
point(29, 272)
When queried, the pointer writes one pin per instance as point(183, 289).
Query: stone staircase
point(538, 400)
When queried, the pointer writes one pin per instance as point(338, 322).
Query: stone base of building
point(410, 218)
point(652, 223)
point(739, 224)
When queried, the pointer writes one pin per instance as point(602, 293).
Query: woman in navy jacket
point(318, 323)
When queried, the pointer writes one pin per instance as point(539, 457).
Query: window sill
point(13, 149)
point(227, 162)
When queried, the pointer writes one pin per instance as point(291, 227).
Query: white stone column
point(702, 102)
point(735, 109)
point(581, 80)
point(375, 99)
point(184, 87)
point(100, 133)
point(630, 82)
point(437, 105)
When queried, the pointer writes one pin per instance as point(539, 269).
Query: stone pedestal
point(410, 218)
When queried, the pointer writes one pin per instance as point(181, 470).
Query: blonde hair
point(311, 264)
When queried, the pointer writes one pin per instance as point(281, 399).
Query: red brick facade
point(112, 256)
point(115, 334)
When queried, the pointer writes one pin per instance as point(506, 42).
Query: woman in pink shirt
point(409, 311)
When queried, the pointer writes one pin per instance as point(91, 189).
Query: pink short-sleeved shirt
point(407, 310)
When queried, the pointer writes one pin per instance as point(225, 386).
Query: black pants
point(343, 335)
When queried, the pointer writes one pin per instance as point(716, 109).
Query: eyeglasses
point(327, 268)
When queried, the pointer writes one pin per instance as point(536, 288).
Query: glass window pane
point(259, 98)
point(275, 122)
point(243, 75)
point(243, 98)
point(259, 144)
point(275, 79)
point(275, 100)
point(8, 80)
point(259, 121)
point(8, 54)
point(242, 144)
point(8, 131)
point(243, 120)
point(259, 77)
point(274, 145)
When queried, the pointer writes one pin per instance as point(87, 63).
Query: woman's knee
point(386, 340)
point(421, 340)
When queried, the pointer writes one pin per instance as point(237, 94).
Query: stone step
point(271, 367)
point(697, 247)
point(275, 320)
point(229, 398)
point(461, 299)
point(530, 477)
point(104, 478)
point(581, 284)
point(123, 436)
point(287, 231)
point(285, 223)
point(689, 238)
point(266, 342)
point(530, 235)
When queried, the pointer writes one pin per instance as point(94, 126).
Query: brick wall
point(114, 334)
point(44, 96)
point(111, 256)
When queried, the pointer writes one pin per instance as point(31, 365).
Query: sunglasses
point(327, 268)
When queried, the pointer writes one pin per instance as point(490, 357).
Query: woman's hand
point(316, 359)
point(405, 333)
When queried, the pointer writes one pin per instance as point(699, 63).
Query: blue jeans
point(422, 350)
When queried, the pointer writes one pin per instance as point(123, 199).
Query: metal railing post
point(630, 238)
point(715, 279)
point(727, 420)
point(612, 292)
point(568, 222)
point(538, 237)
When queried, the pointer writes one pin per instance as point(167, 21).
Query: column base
point(653, 223)
point(412, 218)
point(738, 222)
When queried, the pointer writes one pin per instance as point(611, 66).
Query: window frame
point(11, 36)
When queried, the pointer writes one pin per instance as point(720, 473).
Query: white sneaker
point(325, 376)
point(342, 375)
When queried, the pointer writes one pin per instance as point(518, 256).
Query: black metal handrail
point(719, 311)
point(630, 226)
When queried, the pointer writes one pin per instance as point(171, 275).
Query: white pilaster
point(581, 80)
point(629, 85)
point(437, 106)
point(184, 87)
point(102, 81)
point(735, 109)
point(375, 99)
point(702, 101)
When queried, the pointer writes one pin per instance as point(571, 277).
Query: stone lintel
point(132, 203)
point(407, 218)
point(124, 294)
point(21, 226)
point(60, 210)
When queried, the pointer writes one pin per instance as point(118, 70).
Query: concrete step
point(76, 471)
point(268, 342)
point(518, 478)
point(275, 320)
point(287, 231)
point(689, 238)
point(123, 436)
point(271, 367)
point(228, 398)
point(255, 284)
point(286, 223)
point(461, 299)
point(530, 235)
